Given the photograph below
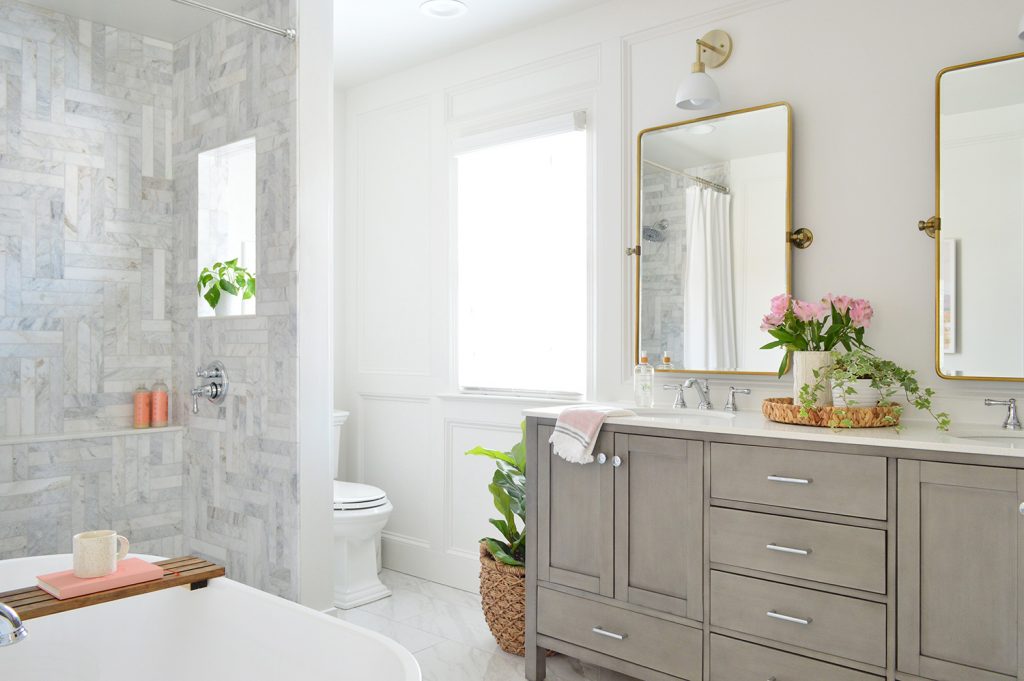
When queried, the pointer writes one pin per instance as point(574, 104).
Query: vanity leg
point(536, 663)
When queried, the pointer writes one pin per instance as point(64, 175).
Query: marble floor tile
point(411, 638)
point(445, 629)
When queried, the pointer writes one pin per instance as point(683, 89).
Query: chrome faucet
point(1011, 422)
point(703, 389)
point(11, 629)
point(680, 402)
point(730, 404)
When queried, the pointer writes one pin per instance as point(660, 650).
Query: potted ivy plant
point(503, 558)
point(224, 285)
point(860, 378)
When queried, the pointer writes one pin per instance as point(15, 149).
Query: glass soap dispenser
point(643, 382)
point(666, 362)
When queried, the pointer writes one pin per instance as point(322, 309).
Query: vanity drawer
point(844, 484)
point(822, 552)
point(733, 660)
point(665, 646)
point(839, 625)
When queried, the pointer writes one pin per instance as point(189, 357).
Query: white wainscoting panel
point(396, 454)
point(394, 175)
point(466, 480)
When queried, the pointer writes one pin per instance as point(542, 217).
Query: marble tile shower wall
point(86, 197)
point(241, 459)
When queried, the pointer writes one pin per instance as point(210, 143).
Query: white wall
point(863, 177)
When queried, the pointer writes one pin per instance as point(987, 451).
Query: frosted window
point(522, 264)
point(227, 215)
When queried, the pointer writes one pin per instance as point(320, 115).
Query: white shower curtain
point(709, 305)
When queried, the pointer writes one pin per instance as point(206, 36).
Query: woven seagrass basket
point(503, 593)
point(782, 410)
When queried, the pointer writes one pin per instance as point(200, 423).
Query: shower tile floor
point(445, 629)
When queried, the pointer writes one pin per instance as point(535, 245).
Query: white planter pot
point(863, 396)
point(228, 306)
point(804, 366)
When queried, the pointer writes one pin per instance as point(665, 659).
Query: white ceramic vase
point(228, 306)
point(863, 395)
point(805, 363)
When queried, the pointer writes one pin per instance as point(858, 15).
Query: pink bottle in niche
point(142, 403)
point(159, 405)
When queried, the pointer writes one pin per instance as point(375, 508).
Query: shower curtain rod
point(288, 33)
point(699, 180)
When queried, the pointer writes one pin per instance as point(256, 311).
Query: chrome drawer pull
point(787, 549)
point(792, 481)
point(787, 618)
point(610, 634)
point(601, 457)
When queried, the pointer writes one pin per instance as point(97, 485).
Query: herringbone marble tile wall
point(241, 459)
point(86, 247)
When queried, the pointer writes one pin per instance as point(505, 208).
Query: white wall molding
point(558, 76)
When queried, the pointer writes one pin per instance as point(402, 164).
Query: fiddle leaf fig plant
point(508, 488)
point(225, 277)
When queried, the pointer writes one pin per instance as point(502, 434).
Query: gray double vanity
point(708, 546)
point(729, 549)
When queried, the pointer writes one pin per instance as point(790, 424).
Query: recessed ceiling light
point(443, 9)
point(702, 129)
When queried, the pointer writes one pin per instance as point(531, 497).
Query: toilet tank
point(338, 419)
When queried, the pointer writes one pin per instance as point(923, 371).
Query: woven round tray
point(782, 410)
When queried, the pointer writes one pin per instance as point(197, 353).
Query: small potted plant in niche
point(850, 373)
point(224, 285)
point(811, 330)
point(503, 560)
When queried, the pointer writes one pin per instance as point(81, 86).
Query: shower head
point(656, 233)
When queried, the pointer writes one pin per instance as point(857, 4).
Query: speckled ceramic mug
point(96, 553)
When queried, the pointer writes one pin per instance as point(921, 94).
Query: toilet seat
point(355, 496)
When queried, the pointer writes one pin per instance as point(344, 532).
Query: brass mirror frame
point(938, 214)
point(636, 250)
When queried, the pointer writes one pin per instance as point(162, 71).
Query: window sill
point(508, 399)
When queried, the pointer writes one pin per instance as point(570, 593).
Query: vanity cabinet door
point(575, 517)
point(960, 572)
point(659, 520)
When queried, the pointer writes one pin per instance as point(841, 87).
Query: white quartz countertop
point(913, 435)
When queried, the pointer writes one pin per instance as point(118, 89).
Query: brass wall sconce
point(698, 90)
point(930, 227)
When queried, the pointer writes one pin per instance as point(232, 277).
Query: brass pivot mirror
point(979, 220)
point(713, 238)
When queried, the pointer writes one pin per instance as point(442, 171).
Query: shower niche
point(226, 262)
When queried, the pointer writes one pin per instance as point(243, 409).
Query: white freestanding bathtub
point(224, 632)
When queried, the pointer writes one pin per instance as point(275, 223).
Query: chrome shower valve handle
point(214, 386)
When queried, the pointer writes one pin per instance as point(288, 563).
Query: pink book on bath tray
point(130, 571)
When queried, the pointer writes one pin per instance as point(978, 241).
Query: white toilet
point(360, 513)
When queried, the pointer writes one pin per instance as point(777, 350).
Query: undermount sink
point(668, 412)
point(1013, 439)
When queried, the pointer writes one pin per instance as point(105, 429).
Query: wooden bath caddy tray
point(782, 410)
point(33, 602)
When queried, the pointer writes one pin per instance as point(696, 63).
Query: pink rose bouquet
point(798, 325)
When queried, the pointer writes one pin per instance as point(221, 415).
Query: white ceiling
point(161, 19)
point(373, 38)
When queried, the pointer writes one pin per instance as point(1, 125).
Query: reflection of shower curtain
point(709, 304)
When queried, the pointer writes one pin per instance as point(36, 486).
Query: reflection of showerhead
point(656, 233)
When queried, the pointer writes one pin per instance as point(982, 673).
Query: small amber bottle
point(142, 402)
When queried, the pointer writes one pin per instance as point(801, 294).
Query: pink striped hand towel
point(576, 431)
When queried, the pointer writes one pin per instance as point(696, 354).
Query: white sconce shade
point(1020, 28)
point(697, 91)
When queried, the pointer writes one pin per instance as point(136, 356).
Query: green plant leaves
point(227, 277)
point(508, 490)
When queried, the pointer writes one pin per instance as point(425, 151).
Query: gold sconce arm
point(931, 226)
point(800, 238)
